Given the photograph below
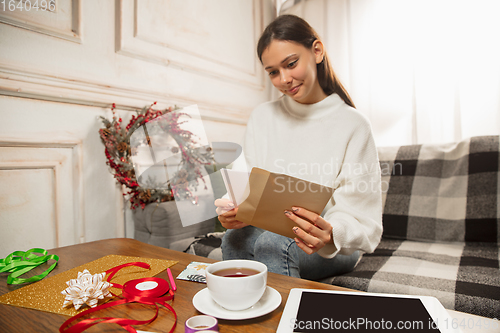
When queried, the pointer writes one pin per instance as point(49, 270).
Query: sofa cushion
point(463, 276)
point(160, 224)
point(206, 245)
point(442, 192)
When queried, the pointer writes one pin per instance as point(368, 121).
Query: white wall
point(422, 71)
point(60, 70)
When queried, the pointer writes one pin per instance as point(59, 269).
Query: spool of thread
point(201, 323)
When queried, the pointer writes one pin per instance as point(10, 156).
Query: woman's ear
point(319, 51)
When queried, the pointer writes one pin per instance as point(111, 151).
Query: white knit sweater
point(328, 143)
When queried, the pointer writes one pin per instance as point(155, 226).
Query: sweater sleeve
point(248, 156)
point(246, 160)
point(355, 211)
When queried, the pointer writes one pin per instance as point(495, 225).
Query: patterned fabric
point(160, 224)
point(446, 192)
point(207, 246)
point(441, 226)
point(463, 276)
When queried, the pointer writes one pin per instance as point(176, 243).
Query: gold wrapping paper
point(45, 295)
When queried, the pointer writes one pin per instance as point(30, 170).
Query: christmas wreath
point(116, 140)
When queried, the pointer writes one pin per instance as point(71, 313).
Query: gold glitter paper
point(45, 295)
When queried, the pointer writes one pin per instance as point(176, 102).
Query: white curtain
point(423, 71)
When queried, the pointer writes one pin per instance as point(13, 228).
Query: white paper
point(236, 183)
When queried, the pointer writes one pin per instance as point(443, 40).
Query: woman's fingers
point(313, 223)
point(314, 232)
point(232, 223)
point(223, 206)
point(308, 239)
point(228, 216)
point(224, 203)
point(315, 219)
point(221, 211)
point(306, 248)
point(306, 231)
point(228, 219)
point(226, 213)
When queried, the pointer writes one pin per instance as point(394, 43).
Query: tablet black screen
point(329, 312)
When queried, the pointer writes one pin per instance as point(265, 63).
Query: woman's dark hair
point(294, 29)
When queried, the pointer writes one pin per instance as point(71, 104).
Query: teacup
point(236, 284)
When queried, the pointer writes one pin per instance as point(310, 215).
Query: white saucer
point(204, 303)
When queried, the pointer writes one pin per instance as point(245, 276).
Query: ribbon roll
point(19, 262)
point(147, 290)
point(201, 323)
point(151, 291)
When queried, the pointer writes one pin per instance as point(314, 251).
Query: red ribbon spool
point(150, 291)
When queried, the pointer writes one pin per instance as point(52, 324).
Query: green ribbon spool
point(18, 262)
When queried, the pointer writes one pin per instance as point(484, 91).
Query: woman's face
point(292, 69)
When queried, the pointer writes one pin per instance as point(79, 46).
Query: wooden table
point(16, 319)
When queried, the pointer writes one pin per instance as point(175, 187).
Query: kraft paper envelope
point(272, 193)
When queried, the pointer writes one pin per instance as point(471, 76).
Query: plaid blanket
point(447, 192)
point(463, 276)
point(441, 226)
point(206, 245)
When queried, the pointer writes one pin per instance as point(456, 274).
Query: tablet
point(311, 310)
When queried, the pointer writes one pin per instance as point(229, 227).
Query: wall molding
point(132, 44)
point(54, 168)
point(26, 20)
point(42, 86)
point(77, 185)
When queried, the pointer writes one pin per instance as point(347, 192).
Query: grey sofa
point(160, 224)
point(441, 220)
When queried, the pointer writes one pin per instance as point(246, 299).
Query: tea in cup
point(236, 284)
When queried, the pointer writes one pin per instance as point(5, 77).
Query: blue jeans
point(282, 255)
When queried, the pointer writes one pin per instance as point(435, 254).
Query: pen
point(171, 279)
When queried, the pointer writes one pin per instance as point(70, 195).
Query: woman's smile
point(295, 89)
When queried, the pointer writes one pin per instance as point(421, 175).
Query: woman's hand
point(227, 212)
point(314, 232)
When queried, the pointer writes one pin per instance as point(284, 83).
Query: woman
point(312, 132)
